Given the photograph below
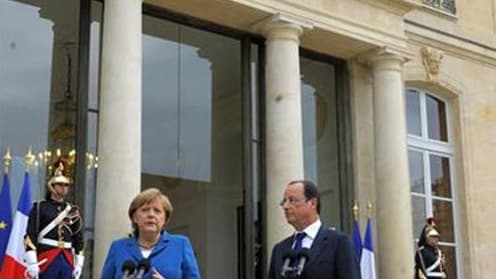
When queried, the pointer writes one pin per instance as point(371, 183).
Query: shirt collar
point(312, 230)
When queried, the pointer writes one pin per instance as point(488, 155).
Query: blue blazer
point(331, 257)
point(172, 257)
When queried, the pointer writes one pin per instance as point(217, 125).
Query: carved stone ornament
point(431, 58)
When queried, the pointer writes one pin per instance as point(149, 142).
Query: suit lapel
point(136, 252)
point(319, 245)
point(284, 247)
point(162, 244)
point(133, 247)
point(287, 244)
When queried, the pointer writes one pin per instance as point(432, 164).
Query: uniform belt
point(55, 243)
point(436, 274)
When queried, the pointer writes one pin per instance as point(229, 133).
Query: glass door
point(192, 137)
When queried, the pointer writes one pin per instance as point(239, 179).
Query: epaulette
point(37, 201)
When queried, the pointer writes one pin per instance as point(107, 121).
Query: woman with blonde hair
point(169, 256)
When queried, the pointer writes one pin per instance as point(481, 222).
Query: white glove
point(77, 272)
point(32, 260)
point(78, 266)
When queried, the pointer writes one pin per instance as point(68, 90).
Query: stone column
point(283, 131)
point(119, 143)
point(394, 215)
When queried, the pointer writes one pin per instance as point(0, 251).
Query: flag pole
point(356, 235)
point(367, 263)
point(356, 210)
point(29, 158)
point(7, 159)
point(369, 209)
point(13, 264)
point(5, 209)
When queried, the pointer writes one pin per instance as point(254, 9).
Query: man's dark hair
point(310, 191)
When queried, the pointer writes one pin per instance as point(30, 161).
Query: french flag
point(357, 239)
point(367, 262)
point(13, 266)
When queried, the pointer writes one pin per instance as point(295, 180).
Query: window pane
point(450, 261)
point(160, 97)
point(418, 208)
point(256, 152)
point(416, 171)
point(38, 92)
point(318, 95)
point(94, 77)
point(436, 119)
point(192, 137)
point(443, 212)
point(25, 90)
point(91, 165)
point(413, 112)
point(440, 176)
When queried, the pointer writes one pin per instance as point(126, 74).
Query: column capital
point(282, 26)
point(384, 57)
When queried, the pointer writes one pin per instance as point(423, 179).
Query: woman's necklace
point(148, 246)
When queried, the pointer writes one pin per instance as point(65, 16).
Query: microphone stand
point(295, 272)
point(292, 274)
point(128, 276)
point(128, 269)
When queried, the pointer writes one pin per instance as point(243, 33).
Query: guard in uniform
point(430, 223)
point(54, 237)
point(429, 260)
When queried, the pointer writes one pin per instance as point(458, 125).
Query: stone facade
point(388, 44)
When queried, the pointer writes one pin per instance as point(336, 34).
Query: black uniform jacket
point(68, 230)
point(425, 257)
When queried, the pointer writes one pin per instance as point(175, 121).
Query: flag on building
point(13, 267)
point(357, 239)
point(5, 217)
point(367, 261)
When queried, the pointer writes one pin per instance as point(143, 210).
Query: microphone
point(143, 267)
point(287, 259)
point(303, 256)
point(128, 268)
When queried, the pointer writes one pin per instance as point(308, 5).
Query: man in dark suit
point(330, 255)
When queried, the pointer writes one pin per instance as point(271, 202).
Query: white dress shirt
point(311, 233)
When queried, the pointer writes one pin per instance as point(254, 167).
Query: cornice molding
point(451, 46)
point(335, 23)
point(399, 7)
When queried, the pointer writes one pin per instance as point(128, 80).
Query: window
point(320, 134)
point(431, 155)
point(38, 92)
point(443, 5)
point(192, 137)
